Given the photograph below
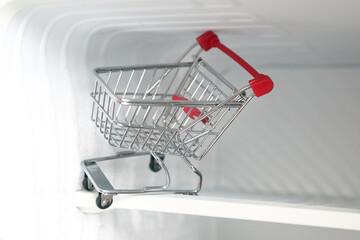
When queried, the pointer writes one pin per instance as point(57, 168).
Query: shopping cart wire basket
point(178, 109)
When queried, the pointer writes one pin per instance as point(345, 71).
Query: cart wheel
point(154, 166)
point(104, 201)
point(87, 183)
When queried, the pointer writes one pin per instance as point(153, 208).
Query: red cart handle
point(261, 84)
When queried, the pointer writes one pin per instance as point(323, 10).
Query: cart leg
point(159, 161)
point(198, 173)
point(154, 166)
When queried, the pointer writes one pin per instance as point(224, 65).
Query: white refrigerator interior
point(288, 165)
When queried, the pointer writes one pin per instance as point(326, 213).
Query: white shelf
point(347, 217)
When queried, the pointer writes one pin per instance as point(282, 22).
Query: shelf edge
point(253, 210)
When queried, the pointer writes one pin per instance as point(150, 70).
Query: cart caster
point(154, 165)
point(104, 201)
point(87, 183)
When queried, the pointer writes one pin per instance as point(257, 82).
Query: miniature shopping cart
point(179, 108)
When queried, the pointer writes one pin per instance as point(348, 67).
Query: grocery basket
point(179, 108)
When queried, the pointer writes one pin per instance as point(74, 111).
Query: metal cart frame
point(177, 109)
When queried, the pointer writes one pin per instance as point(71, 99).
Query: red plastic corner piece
point(261, 85)
point(207, 40)
point(194, 113)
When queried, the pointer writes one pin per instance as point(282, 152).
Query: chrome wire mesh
point(134, 107)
